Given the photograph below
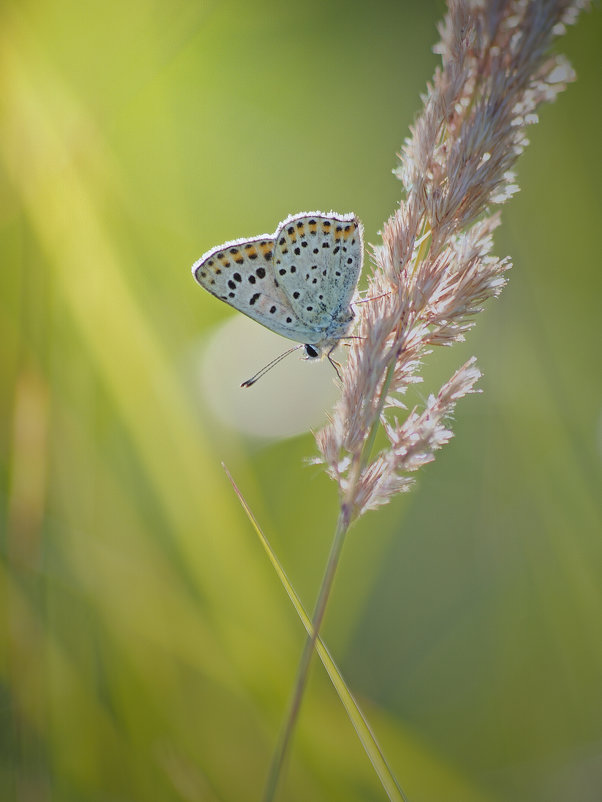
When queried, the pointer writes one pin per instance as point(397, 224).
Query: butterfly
point(298, 282)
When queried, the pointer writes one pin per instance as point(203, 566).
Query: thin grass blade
point(360, 724)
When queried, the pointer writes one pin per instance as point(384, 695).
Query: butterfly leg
point(371, 298)
point(336, 365)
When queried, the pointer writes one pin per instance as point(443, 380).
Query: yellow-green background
point(147, 649)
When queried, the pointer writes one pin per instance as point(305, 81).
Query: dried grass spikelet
point(435, 269)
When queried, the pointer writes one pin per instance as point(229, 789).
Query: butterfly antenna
point(250, 382)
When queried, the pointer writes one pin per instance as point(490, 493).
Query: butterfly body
point(298, 282)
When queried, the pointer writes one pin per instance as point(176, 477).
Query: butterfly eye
point(310, 351)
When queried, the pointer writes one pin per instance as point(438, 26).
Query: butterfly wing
point(241, 273)
point(317, 261)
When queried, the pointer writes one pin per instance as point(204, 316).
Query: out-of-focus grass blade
point(361, 726)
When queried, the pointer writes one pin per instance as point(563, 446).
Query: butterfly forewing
point(241, 273)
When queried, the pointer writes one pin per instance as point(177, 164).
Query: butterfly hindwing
point(317, 259)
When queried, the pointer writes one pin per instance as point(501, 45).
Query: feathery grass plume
point(434, 269)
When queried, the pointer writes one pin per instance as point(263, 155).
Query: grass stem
point(284, 740)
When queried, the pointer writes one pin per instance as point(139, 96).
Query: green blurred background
point(147, 649)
